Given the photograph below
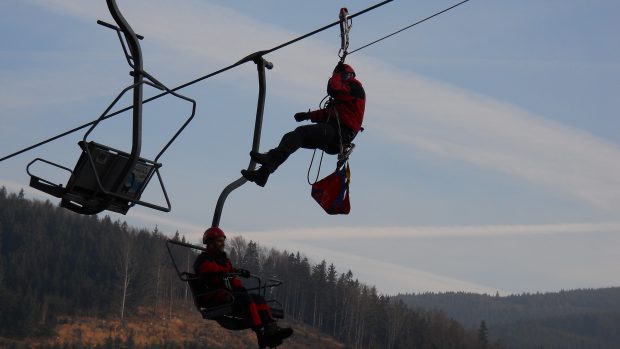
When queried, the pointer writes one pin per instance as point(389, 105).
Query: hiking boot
point(273, 330)
point(261, 339)
point(267, 340)
point(264, 159)
point(259, 176)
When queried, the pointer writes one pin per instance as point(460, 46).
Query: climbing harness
point(332, 192)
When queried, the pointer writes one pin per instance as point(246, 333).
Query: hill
point(146, 328)
point(57, 265)
point(584, 318)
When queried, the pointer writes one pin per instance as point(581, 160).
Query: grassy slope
point(185, 325)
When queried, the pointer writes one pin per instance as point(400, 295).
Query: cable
point(409, 26)
point(245, 60)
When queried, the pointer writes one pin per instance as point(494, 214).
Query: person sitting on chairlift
point(335, 125)
point(212, 265)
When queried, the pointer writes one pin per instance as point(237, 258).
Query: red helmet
point(344, 68)
point(212, 234)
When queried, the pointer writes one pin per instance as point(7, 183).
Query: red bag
point(332, 192)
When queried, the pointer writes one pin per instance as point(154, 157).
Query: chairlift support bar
point(137, 65)
point(261, 64)
point(265, 52)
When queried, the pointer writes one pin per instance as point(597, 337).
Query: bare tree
point(126, 268)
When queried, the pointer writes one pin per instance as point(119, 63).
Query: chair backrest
point(84, 190)
point(197, 286)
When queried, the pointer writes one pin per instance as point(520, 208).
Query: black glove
point(299, 117)
point(244, 273)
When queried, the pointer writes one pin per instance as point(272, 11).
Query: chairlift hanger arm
point(261, 64)
point(112, 26)
point(193, 81)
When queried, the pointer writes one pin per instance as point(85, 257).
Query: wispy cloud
point(168, 225)
point(389, 278)
point(343, 233)
point(41, 89)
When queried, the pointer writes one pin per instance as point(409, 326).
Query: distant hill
point(584, 318)
point(56, 265)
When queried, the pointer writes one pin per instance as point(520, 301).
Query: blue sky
point(489, 161)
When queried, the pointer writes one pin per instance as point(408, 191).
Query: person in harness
point(212, 265)
point(335, 125)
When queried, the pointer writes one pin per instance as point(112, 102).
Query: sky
point(489, 161)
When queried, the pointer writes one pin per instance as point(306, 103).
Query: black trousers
point(323, 136)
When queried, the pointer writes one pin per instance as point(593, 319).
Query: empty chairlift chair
point(105, 178)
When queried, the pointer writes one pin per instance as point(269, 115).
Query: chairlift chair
point(223, 314)
point(105, 178)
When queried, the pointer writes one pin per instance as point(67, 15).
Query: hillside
point(181, 328)
point(56, 265)
point(585, 318)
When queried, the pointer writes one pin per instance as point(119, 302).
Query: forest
point(55, 264)
point(583, 318)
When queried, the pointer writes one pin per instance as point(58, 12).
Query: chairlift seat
point(224, 312)
point(83, 193)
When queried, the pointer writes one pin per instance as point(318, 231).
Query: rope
point(261, 53)
point(318, 172)
point(409, 26)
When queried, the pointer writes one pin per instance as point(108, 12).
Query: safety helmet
point(344, 68)
point(212, 234)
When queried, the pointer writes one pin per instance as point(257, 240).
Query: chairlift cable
point(408, 27)
point(242, 61)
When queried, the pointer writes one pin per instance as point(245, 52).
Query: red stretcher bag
point(332, 192)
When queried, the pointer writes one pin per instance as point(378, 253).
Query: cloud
point(343, 233)
point(166, 224)
point(389, 278)
point(40, 89)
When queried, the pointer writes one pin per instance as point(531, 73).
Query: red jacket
point(212, 265)
point(350, 101)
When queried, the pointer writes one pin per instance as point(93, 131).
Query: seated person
point(212, 265)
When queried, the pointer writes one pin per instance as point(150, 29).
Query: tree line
point(54, 262)
point(582, 318)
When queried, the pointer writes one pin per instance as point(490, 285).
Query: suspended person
point(212, 265)
point(342, 118)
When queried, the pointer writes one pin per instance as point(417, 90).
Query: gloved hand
point(244, 273)
point(299, 117)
